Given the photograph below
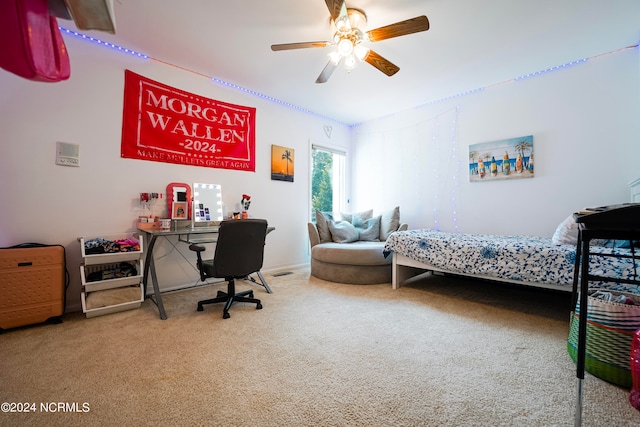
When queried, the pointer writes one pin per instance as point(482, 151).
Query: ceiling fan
point(349, 38)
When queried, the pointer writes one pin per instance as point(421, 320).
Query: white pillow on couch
point(389, 222)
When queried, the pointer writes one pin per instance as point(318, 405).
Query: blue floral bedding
point(516, 258)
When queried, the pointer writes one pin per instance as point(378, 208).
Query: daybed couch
point(350, 250)
point(521, 259)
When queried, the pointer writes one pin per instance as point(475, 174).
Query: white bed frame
point(404, 268)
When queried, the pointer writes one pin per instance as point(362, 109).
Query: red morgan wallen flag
point(164, 124)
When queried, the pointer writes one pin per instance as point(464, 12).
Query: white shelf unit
point(93, 263)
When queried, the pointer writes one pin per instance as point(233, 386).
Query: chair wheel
point(200, 307)
point(259, 306)
point(226, 315)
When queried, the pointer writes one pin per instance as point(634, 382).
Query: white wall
point(584, 120)
point(46, 203)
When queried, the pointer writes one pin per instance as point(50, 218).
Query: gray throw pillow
point(389, 222)
point(369, 230)
point(322, 219)
point(364, 215)
point(342, 232)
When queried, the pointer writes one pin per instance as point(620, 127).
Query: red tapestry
point(164, 124)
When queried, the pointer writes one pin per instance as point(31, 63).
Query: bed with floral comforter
point(528, 260)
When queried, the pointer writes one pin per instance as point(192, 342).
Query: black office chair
point(239, 252)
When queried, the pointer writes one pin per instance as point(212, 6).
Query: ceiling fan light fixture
point(361, 52)
point(350, 39)
point(342, 24)
point(334, 57)
point(345, 47)
point(350, 62)
point(357, 18)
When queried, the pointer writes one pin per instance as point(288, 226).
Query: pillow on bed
point(567, 232)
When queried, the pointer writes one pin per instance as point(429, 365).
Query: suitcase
point(32, 285)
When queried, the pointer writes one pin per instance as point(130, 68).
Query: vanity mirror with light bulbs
point(207, 204)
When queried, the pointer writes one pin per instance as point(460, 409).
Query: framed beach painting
point(282, 163)
point(499, 160)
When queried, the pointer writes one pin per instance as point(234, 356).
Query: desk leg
point(264, 282)
point(150, 267)
point(156, 291)
point(147, 264)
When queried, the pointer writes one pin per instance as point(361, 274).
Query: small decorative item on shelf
point(146, 222)
point(246, 202)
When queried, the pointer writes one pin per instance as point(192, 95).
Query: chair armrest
point(403, 227)
point(196, 248)
point(314, 237)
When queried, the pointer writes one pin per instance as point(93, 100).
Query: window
point(328, 180)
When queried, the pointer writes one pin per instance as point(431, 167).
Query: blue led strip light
point(266, 97)
point(548, 70)
point(103, 43)
point(213, 79)
point(303, 110)
point(525, 76)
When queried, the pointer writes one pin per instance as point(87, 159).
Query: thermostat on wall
point(67, 154)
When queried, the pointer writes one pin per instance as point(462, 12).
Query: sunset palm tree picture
point(282, 163)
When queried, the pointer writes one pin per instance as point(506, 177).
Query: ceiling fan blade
point(302, 45)
point(335, 8)
point(327, 71)
point(381, 64)
point(402, 28)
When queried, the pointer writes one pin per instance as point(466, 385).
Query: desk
point(619, 222)
point(184, 235)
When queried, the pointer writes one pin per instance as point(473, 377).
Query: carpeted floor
point(440, 352)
